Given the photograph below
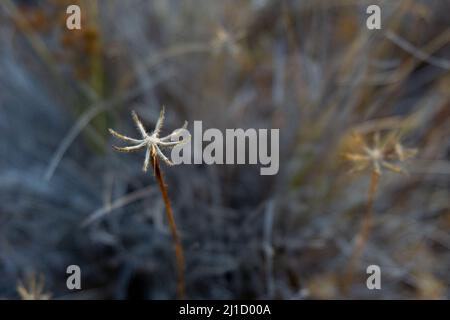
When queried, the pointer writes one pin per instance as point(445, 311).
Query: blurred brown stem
point(363, 234)
point(179, 255)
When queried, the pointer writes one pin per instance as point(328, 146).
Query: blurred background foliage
point(310, 68)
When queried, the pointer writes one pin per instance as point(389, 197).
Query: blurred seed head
point(33, 289)
point(224, 42)
point(381, 153)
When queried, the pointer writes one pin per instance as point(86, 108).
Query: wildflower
point(152, 142)
point(380, 155)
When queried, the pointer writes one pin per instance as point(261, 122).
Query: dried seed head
point(151, 142)
point(33, 289)
point(379, 154)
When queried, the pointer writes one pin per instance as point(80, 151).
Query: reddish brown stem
point(363, 233)
point(179, 255)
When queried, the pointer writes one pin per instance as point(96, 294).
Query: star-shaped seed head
point(151, 142)
point(379, 155)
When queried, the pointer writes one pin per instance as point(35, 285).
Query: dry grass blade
point(119, 203)
point(416, 52)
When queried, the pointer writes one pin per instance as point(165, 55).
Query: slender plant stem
point(179, 255)
point(363, 233)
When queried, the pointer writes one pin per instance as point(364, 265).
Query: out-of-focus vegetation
point(310, 68)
